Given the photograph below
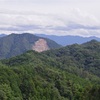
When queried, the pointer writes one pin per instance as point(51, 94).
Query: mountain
point(15, 44)
point(68, 40)
point(67, 73)
point(2, 35)
point(85, 56)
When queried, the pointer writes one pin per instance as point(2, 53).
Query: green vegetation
point(69, 73)
point(16, 44)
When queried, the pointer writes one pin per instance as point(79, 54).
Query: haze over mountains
point(68, 39)
point(49, 50)
point(2, 35)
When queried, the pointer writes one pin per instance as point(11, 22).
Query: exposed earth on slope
point(40, 45)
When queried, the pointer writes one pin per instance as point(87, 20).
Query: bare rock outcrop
point(40, 45)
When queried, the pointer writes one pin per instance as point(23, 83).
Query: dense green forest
point(68, 73)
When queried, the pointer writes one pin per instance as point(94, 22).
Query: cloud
point(68, 22)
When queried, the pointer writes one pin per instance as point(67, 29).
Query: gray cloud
point(60, 17)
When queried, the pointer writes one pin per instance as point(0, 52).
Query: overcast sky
point(57, 17)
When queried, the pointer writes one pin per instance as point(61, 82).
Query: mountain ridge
point(86, 56)
point(68, 39)
point(65, 40)
point(67, 73)
point(15, 44)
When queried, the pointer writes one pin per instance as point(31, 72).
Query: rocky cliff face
point(40, 45)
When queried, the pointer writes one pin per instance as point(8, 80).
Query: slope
point(35, 76)
point(15, 44)
point(57, 74)
point(85, 56)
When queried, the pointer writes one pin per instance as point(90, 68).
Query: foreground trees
point(70, 73)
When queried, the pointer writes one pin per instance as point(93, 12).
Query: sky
point(52, 17)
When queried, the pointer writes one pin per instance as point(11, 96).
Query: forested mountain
point(15, 44)
point(68, 40)
point(86, 56)
point(68, 73)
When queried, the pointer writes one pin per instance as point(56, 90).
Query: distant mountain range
point(65, 40)
point(15, 44)
point(68, 40)
point(2, 35)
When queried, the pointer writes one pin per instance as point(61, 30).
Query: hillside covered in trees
point(68, 73)
point(16, 44)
